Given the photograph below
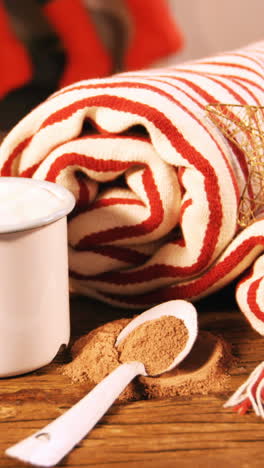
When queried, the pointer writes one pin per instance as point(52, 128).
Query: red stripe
point(114, 201)
point(228, 89)
point(246, 404)
point(118, 253)
point(82, 204)
point(88, 162)
point(103, 202)
point(248, 90)
point(7, 166)
point(30, 170)
point(220, 75)
point(183, 209)
point(252, 299)
point(232, 65)
point(245, 165)
point(84, 195)
point(211, 99)
point(247, 57)
point(241, 157)
point(149, 225)
point(187, 291)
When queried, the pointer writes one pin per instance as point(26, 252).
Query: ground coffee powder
point(204, 370)
point(155, 343)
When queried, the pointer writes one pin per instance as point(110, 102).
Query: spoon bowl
point(179, 309)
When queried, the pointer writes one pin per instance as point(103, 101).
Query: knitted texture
point(157, 185)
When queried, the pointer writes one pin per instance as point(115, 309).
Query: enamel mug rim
point(60, 192)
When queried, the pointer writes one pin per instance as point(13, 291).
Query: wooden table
point(180, 432)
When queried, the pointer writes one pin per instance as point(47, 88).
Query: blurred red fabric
point(154, 35)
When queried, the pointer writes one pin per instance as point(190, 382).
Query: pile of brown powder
point(203, 371)
point(155, 343)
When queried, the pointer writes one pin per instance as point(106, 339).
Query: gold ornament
point(243, 125)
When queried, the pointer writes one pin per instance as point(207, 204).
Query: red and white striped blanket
point(157, 184)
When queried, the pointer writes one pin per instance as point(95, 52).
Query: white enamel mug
point(34, 289)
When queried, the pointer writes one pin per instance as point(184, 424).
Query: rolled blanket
point(157, 184)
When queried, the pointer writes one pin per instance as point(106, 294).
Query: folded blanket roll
point(157, 184)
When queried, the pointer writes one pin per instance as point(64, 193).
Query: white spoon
point(49, 445)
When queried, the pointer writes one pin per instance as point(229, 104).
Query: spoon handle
point(49, 445)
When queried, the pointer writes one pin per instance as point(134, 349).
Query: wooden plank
point(195, 431)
